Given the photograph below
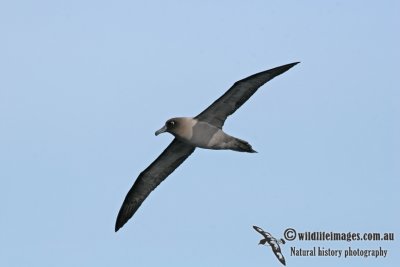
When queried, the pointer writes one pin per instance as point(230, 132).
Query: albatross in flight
point(204, 130)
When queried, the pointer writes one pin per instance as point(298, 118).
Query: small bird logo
point(273, 242)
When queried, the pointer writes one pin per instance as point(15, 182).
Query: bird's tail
point(242, 146)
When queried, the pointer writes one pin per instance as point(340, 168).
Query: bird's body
point(204, 135)
point(203, 131)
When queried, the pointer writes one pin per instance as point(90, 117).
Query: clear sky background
point(84, 85)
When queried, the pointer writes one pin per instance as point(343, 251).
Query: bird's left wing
point(239, 93)
point(261, 231)
point(151, 177)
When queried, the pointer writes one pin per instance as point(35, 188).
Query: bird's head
point(168, 127)
point(176, 126)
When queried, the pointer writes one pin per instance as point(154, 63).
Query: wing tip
point(121, 219)
point(281, 69)
point(288, 66)
point(118, 225)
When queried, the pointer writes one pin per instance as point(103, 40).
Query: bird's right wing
point(277, 251)
point(151, 177)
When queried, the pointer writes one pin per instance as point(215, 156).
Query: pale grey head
point(169, 125)
point(176, 126)
point(181, 127)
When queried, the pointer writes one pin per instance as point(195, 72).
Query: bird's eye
point(170, 123)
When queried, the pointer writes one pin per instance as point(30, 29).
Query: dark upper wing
point(151, 177)
point(239, 93)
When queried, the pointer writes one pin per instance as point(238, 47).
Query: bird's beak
point(162, 130)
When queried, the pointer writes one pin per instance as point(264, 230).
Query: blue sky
point(84, 85)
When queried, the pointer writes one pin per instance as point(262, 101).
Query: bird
point(203, 131)
point(273, 242)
